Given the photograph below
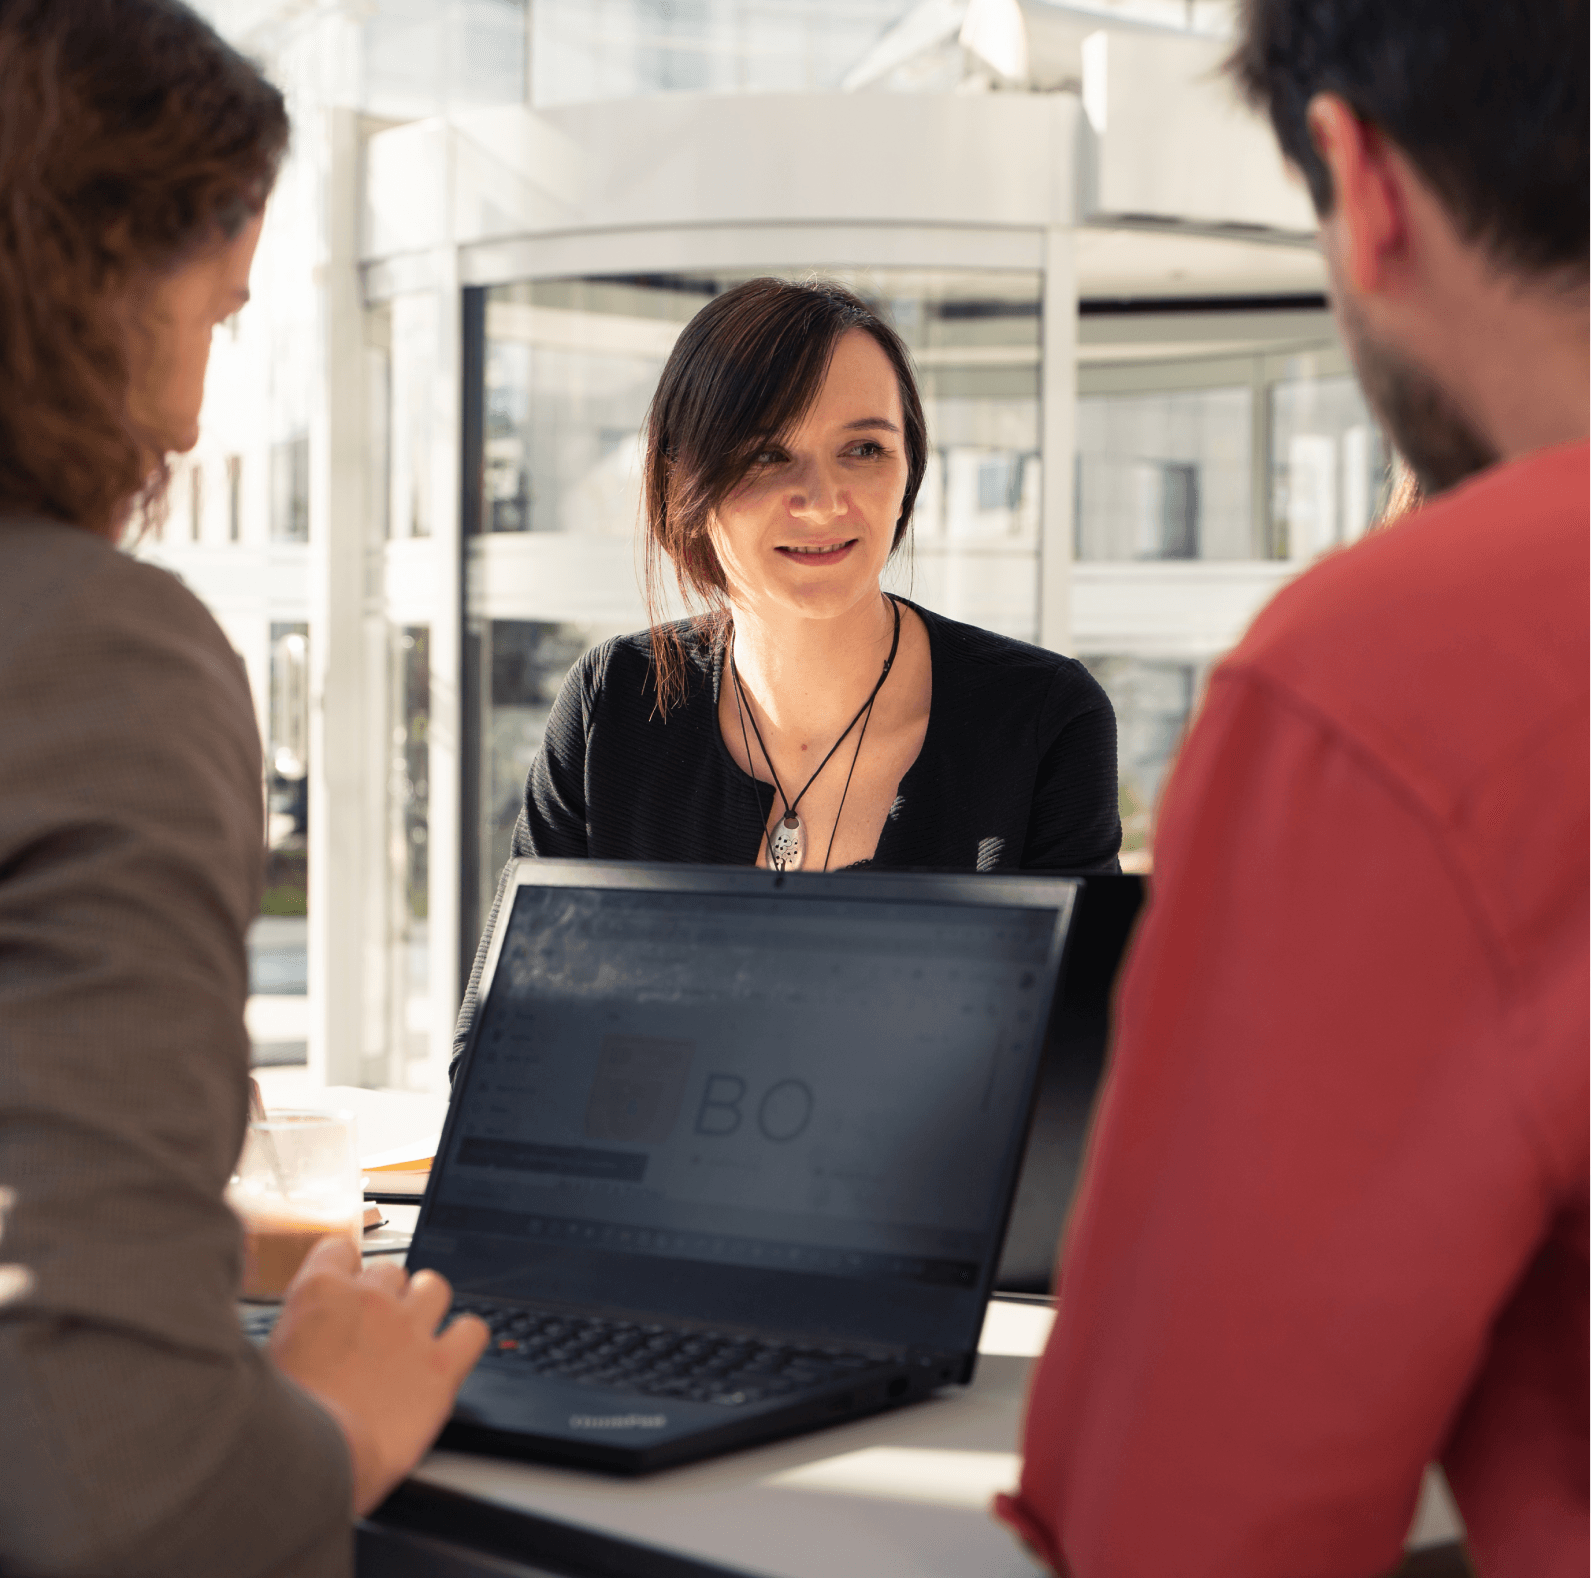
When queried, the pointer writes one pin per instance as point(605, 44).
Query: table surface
point(904, 1494)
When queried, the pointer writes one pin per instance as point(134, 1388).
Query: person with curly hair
point(140, 1432)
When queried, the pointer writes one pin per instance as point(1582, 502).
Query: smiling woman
point(802, 717)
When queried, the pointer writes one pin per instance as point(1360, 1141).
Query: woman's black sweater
point(1017, 769)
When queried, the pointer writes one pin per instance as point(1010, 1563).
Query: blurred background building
point(414, 501)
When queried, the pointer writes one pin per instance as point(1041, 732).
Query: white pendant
point(787, 844)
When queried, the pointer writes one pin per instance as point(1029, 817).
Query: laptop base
point(504, 1415)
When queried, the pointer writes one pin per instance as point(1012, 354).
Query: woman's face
point(174, 319)
point(808, 528)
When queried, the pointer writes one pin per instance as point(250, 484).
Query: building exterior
point(415, 500)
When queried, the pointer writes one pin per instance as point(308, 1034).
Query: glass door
point(569, 366)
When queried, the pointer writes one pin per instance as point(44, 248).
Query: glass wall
point(287, 772)
point(415, 329)
point(1169, 459)
point(523, 663)
point(1226, 461)
point(289, 489)
point(1166, 474)
point(569, 369)
point(408, 838)
point(1153, 699)
point(1223, 461)
point(408, 421)
point(587, 50)
point(422, 56)
point(584, 50)
point(278, 939)
point(1328, 461)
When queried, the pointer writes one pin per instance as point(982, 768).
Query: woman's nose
point(814, 494)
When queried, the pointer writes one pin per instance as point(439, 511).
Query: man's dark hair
point(1487, 98)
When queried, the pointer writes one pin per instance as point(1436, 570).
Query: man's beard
point(1440, 445)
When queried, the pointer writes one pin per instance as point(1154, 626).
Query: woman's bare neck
point(808, 677)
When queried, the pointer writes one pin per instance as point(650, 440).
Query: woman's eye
point(867, 450)
point(766, 457)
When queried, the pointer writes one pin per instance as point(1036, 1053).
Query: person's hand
point(362, 1343)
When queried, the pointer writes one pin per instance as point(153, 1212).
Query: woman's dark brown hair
point(130, 137)
point(1404, 496)
point(744, 370)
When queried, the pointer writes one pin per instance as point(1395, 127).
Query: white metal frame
point(422, 576)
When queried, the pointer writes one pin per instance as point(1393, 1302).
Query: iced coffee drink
point(297, 1182)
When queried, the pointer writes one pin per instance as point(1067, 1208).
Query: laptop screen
point(747, 1105)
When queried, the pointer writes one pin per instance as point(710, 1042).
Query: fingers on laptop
point(429, 1294)
point(386, 1275)
point(463, 1342)
point(426, 1295)
point(464, 1338)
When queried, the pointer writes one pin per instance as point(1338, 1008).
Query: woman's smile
point(818, 554)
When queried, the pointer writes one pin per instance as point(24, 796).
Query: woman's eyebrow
point(870, 421)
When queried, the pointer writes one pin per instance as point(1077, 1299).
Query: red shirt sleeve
point(1308, 1194)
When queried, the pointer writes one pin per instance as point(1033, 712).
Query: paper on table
point(396, 1185)
point(402, 1169)
point(415, 1157)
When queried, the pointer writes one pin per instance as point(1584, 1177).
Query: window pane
point(408, 834)
point(196, 502)
point(524, 664)
point(422, 57)
point(1152, 699)
point(1328, 465)
point(416, 328)
point(618, 49)
point(234, 496)
point(1166, 475)
point(289, 491)
point(570, 367)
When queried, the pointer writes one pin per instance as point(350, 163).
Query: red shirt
point(1334, 1224)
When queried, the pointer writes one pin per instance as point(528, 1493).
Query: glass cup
point(297, 1181)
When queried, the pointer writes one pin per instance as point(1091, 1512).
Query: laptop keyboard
point(654, 1361)
point(258, 1320)
point(660, 1361)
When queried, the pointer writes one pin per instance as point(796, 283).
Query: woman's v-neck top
point(1017, 769)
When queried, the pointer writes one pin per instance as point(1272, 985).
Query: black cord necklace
point(787, 846)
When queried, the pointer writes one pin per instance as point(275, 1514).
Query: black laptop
point(1103, 920)
point(730, 1153)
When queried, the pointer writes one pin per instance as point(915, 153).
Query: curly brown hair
point(131, 136)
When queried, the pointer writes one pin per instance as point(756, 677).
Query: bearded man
point(1334, 1225)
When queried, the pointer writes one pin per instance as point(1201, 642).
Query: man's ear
point(1367, 208)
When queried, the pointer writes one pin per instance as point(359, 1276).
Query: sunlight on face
point(810, 526)
point(170, 347)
